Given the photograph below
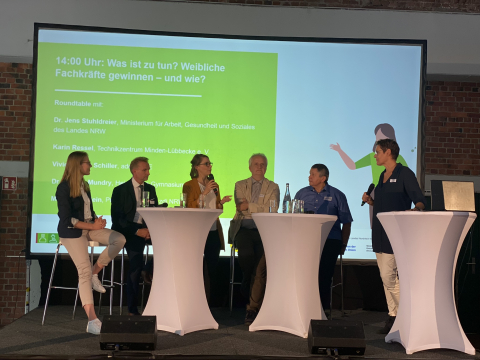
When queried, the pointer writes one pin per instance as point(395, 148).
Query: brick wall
point(452, 130)
point(15, 100)
point(468, 6)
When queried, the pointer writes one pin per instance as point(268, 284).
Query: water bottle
point(286, 200)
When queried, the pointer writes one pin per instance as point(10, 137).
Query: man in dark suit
point(127, 221)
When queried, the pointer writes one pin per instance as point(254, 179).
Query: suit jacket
point(192, 189)
point(243, 189)
point(68, 208)
point(124, 207)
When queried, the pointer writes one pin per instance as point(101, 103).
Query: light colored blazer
point(192, 189)
point(243, 189)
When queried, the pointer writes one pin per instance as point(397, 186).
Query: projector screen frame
point(420, 171)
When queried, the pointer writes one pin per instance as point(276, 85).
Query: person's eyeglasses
point(207, 163)
point(86, 162)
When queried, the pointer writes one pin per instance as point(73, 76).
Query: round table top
point(166, 209)
point(426, 213)
point(302, 215)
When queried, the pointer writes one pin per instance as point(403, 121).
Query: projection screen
point(119, 94)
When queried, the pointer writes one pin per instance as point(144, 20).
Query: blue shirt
point(330, 201)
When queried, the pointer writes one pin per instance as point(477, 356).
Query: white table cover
point(177, 296)
point(293, 244)
point(426, 247)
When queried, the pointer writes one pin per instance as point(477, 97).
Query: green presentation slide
point(118, 102)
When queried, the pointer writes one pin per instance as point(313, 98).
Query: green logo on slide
point(47, 238)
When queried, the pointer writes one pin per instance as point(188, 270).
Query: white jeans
point(388, 272)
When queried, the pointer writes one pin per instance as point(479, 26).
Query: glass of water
point(295, 206)
point(201, 201)
point(146, 199)
point(272, 207)
point(183, 200)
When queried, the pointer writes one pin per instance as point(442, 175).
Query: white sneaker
point(97, 285)
point(94, 327)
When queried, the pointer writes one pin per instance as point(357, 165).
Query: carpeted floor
point(62, 336)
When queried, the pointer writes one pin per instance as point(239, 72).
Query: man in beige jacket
point(252, 195)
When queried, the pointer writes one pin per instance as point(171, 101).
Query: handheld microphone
point(369, 191)
point(163, 205)
point(210, 177)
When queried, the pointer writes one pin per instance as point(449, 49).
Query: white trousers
point(388, 272)
point(78, 250)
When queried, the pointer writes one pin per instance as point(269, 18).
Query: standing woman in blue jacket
point(78, 225)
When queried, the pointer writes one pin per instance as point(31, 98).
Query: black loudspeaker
point(337, 337)
point(128, 332)
point(452, 195)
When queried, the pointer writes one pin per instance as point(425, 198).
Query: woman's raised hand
point(210, 186)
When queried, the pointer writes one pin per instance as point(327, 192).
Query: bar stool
point(111, 285)
point(121, 284)
point(341, 286)
point(143, 283)
point(232, 273)
point(92, 245)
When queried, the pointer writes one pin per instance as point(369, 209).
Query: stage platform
point(64, 338)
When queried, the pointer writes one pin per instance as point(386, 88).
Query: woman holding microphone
point(397, 189)
point(78, 225)
point(201, 185)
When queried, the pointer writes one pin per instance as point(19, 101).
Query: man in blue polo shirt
point(321, 198)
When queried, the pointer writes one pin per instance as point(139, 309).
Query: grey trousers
point(78, 250)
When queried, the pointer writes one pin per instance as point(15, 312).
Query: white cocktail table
point(426, 247)
point(177, 296)
point(293, 244)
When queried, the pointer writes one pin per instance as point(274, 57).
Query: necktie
point(256, 188)
point(141, 194)
point(141, 201)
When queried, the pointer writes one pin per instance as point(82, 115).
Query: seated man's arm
point(240, 197)
point(119, 217)
point(273, 193)
point(154, 194)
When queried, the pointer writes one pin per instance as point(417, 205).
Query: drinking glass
point(294, 206)
point(146, 199)
point(201, 201)
point(183, 200)
point(301, 206)
point(272, 208)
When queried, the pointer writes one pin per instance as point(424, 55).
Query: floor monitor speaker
point(128, 332)
point(336, 337)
